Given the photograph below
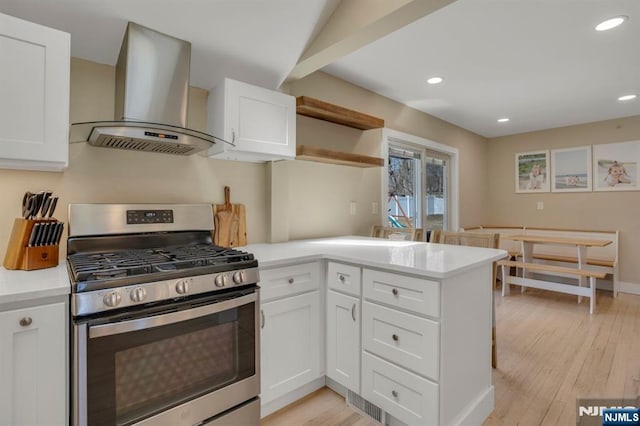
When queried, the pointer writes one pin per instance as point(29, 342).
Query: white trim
point(453, 153)
point(627, 287)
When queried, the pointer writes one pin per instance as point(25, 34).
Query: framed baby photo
point(571, 169)
point(532, 171)
point(615, 166)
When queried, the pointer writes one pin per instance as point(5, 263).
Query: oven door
point(179, 364)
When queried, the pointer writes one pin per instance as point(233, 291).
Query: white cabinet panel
point(407, 340)
point(290, 344)
point(33, 361)
point(343, 340)
point(260, 122)
point(417, 295)
point(344, 278)
point(34, 96)
point(404, 395)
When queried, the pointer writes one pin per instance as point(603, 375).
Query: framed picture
point(571, 169)
point(532, 171)
point(615, 166)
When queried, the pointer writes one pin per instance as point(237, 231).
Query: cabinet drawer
point(289, 280)
point(344, 278)
point(419, 295)
point(407, 340)
point(404, 395)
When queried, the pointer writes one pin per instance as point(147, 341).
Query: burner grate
point(125, 263)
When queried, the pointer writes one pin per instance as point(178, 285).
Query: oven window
point(134, 375)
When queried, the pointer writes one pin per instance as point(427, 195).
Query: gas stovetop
point(149, 264)
point(126, 255)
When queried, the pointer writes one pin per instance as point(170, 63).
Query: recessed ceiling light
point(435, 80)
point(627, 97)
point(503, 120)
point(610, 23)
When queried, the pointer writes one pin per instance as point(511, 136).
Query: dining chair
point(408, 234)
point(475, 239)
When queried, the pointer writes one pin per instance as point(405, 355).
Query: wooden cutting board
point(230, 223)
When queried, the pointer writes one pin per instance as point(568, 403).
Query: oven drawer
point(407, 340)
point(418, 295)
point(344, 278)
point(404, 395)
point(289, 280)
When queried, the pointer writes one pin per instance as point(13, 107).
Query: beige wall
point(98, 175)
point(585, 210)
point(335, 180)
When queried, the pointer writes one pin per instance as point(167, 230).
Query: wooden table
point(581, 244)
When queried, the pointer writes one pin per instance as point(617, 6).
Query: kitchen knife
point(59, 229)
point(54, 202)
point(34, 233)
point(51, 226)
point(43, 234)
point(45, 206)
point(37, 233)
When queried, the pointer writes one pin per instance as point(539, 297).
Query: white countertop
point(17, 286)
point(430, 260)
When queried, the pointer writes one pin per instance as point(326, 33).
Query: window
point(421, 183)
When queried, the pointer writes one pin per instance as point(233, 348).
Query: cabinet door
point(343, 340)
point(33, 366)
point(290, 344)
point(34, 96)
point(261, 123)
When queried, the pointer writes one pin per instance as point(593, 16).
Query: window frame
point(397, 137)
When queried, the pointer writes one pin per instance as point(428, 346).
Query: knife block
point(20, 256)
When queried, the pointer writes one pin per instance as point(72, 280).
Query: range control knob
point(138, 294)
point(182, 287)
point(112, 299)
point(238, 277)
point(221, 280)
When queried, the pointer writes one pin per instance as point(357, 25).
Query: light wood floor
point(550, 351)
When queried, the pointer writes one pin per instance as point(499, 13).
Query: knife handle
point(32, 236)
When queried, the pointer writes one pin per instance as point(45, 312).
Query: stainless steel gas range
point(164, 324)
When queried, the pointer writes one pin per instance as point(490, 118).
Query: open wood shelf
point(310, 153)
point(336, 114)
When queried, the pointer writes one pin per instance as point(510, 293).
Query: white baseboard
point(627, 287)
point(477, 412)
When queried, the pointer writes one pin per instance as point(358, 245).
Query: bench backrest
point(609, 252)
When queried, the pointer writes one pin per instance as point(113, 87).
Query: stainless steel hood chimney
point(152, 93)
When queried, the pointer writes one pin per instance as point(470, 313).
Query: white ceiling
point(538, 62)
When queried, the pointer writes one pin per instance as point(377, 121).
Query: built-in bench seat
point(524, 281)
point(602, 259)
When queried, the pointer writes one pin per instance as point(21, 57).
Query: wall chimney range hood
point(152, 94)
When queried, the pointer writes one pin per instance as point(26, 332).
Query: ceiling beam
point(356, 23)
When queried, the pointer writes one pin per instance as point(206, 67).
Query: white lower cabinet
point(343, 340)
point(290, 344)
point(33, 360)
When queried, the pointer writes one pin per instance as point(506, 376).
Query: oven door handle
point(170, 318)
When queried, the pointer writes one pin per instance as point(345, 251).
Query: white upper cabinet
point(260, 122)
point(34, 96)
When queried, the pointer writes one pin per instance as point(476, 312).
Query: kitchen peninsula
point(403, 325)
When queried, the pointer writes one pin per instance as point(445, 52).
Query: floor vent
point(366, 407)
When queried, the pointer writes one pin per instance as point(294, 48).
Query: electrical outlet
point(352, 208)
point(374, 207)
point(540, 205)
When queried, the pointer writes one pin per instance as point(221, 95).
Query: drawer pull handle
point(262, 318)
point(26, 321)
point(395, 337)
point(394, 291)
point(290, 280)
point(394, 393)
point(341, 278)
point(353, 312)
